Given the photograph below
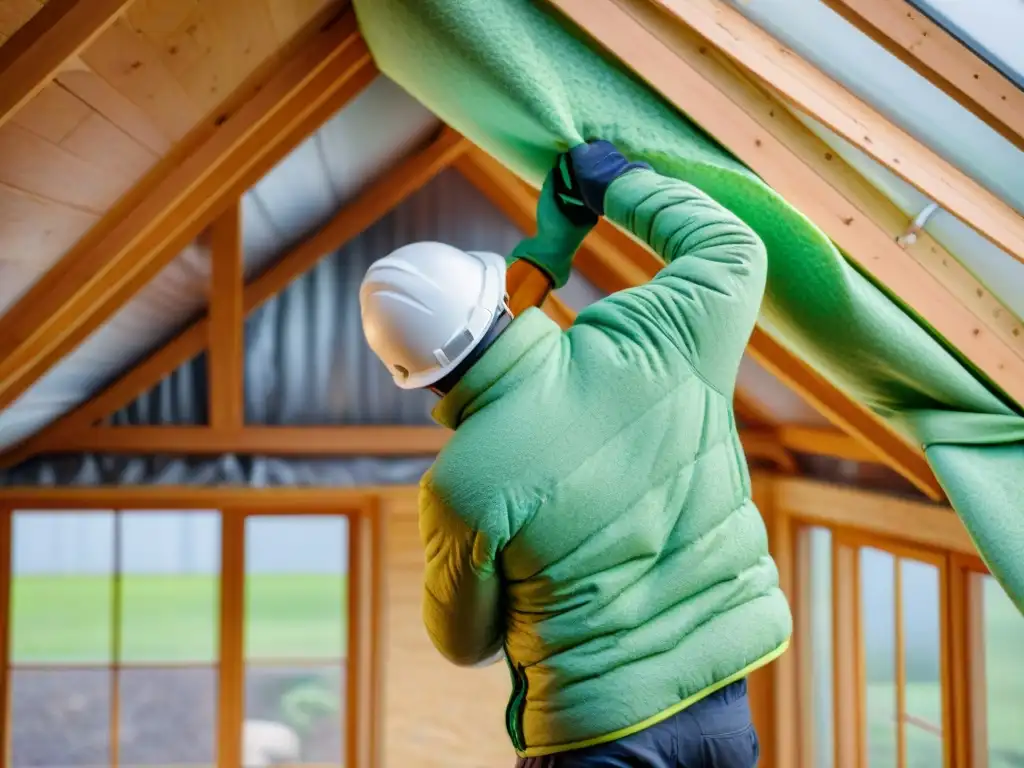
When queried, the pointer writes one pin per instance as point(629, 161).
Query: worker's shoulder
point(462, 475)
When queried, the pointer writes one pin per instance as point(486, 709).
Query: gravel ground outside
point(168, 717)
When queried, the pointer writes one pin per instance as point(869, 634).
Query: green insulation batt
point(524, 84)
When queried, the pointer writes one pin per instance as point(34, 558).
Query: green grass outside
point(165, 619)
point(174, 619)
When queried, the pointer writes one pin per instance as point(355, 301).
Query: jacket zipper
point(516, 706)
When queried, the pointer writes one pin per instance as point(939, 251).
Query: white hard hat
point(426, 305)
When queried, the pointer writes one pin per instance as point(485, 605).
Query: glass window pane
point(292, 716)
point(60, 717)
point(1004, 675)
point(296, 587)
point(170, 565)
point(878, 620)
point(168, 717)
point(821, 645)
point(62, 587)
point(922, 644)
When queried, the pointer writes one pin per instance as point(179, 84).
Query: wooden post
point(6, 579)
point(847, 657)
point(901, 663)
point(762, 684)
point(225, 360)
point(231, 671)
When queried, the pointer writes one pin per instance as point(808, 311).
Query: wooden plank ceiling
point(99, 147)
point(159, 72)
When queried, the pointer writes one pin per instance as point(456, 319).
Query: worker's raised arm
point(462, 594)
point(706, 300)
point(563, 221)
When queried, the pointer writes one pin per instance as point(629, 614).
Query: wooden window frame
point(363, 663)
point(961, 676)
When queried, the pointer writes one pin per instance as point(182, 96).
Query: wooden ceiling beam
point(661, 51)
point(377, 199)
point(887, 445)
point(90, 283)
point(614, 261)
point(355, 440)
point(358, 440)
point(56, 33)
point(825, 442)
point(947, 63)
point(812, 91)
point(225, 404)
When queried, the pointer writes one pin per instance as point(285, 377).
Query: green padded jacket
point(591, 517)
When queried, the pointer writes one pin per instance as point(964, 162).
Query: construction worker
point(591, 518)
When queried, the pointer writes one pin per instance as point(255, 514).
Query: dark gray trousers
point(716, 732)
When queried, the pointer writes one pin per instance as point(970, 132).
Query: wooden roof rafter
point(939, 57)
point(37, 51)
point(614, 261)
point(748, 120)
point(170, 208)
point(807, 88)
point(79, 427)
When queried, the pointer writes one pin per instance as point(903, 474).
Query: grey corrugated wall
point(307, 363)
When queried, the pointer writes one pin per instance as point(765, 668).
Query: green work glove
point(558, 236)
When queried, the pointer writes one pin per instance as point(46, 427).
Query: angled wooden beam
point(659, 52)
point(91, 282)
point(614, 261)
point(947, 63)
point(376, 200)
point(825, 442)
point(279, 441)
point(812, 91)
point(770, 114)
point(877, 437)
point(226, 360)
point(751, 412)
point(557, 310)
point(31, 58)
point(764, 444)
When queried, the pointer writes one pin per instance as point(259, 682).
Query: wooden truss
point(735, 91)
point(177, 201)
point(935, 54)
point(732, 95)
point(37, 52)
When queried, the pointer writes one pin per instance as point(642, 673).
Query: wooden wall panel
point(437, 715)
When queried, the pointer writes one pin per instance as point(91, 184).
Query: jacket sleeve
point(462, 608)
point(706, 300)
